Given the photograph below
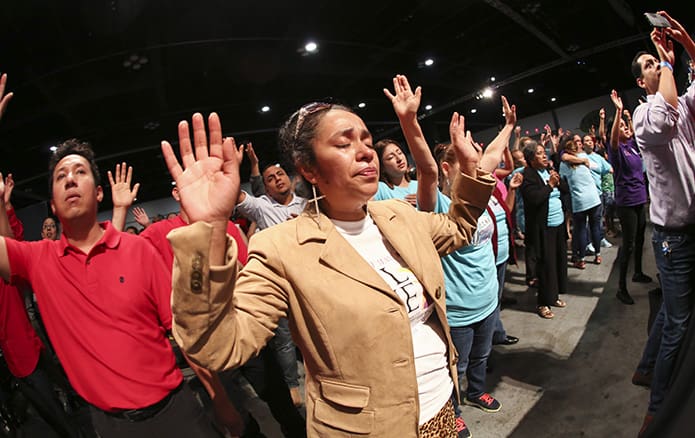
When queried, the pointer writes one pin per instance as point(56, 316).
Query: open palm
point(209, 185)
point(404, 102)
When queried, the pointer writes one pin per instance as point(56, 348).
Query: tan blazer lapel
point(338, 254)
point(398, 233)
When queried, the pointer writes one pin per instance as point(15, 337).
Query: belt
point(685, 229)
point(135, 415)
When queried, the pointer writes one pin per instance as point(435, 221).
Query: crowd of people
point(386, 285)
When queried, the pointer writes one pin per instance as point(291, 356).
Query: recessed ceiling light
point(311, 47)
point(428, 107)
point(429, 62)
point(53, 148)
point(553, 99)
point(361, 105)
point(487, 93)
point(530, 90)
point(173, 183)
point(265, 109)
point(473, 111)
point(492, 79)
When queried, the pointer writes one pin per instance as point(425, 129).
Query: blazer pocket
point(342, 407)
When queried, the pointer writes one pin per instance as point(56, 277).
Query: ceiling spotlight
point(428, 107)
point(311, 47)
point(173, 183)
point(553, 99)
point(530, 90)
point(492, 79)
point(53, 148)
point(487, 93)
point(265, 109)
point(429, 62)
point(135, 62)
point(473, 111)
point(361, 105)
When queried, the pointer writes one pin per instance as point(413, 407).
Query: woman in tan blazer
point(360, 282)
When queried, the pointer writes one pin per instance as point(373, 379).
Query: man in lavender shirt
point(665, 133)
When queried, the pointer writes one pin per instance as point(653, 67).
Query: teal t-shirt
point(385, 192)
point(599, 168)
point(470, 274)
point(583, 189)
point(555, 215)
point(502, 230)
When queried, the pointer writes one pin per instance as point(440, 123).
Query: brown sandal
point(598, 260)
point(545, 312)
point(560, 303)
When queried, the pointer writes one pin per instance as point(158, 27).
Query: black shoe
point(642, 379)
point(508, 340)
point(639, 277)
point(624, 297)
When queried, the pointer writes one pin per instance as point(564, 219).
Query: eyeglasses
point(307, 110)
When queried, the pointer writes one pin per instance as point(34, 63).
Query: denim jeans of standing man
point(675, 258)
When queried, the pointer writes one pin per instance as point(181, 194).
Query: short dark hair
point(529, 151)
point(636, 67)
point(73, 146)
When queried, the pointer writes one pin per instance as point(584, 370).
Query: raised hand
point(617, 101)
point(509, 112)
point(676, 30)
point(516, 181)
point(663, 44)
point(121, 193)
point(467, 152)
point(4, 98)
point(141, 217)
point(253, 159)
point(602, 113)
point(517, 131)
point(405, 102)
point(9, 186)
point(208, 183)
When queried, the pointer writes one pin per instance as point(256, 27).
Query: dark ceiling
point(70, 65)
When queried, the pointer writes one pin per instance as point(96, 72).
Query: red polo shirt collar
point(111, 238)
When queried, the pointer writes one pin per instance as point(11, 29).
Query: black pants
point(181, 417)
point(38, 389)
point(552, 265)
point(633, 221)
point(265, 375)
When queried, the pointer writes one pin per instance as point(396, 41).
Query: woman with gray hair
point(545, 227)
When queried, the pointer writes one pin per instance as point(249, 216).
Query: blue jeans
point(500, 334)
point(285, 353)
point(579, 234)
point(675, 259)
point(473, 343)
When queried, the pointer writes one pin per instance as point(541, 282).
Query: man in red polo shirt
point(106, 309)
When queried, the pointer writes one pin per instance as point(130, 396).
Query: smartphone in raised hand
point(656, 20)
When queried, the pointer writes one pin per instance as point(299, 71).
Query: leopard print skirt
point(442, 425)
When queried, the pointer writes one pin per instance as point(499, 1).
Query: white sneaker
point(590, 248)
point(606, 244)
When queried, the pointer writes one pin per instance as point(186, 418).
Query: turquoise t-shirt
point(502, 230)
point(583, 189)
point(385, 192)
point(555, 215)
point(470, 274)
point(599, 167)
